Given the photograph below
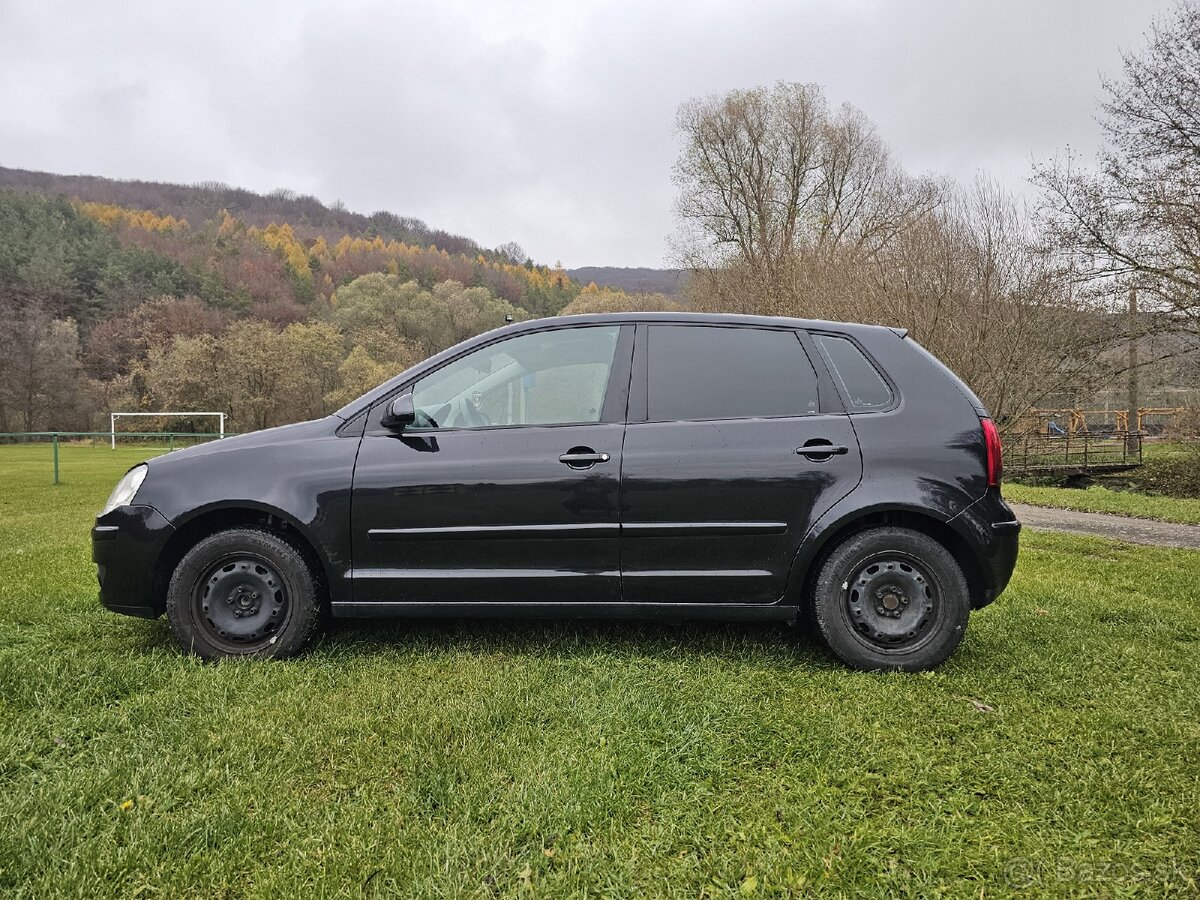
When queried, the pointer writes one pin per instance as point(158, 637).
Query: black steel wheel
point(244, 592)
point(892, 602)
point(241, 602)
point(891, 598)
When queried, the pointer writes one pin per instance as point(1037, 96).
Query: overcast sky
point(545, 123)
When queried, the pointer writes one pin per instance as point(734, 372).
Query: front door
point(506, 487)
point(724, 469)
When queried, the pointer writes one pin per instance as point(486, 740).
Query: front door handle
point(583, 458)
point(822, 450)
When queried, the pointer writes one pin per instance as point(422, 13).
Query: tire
point(246, 592)
point(891, 599)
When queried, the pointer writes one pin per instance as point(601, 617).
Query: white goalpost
point(112, 420)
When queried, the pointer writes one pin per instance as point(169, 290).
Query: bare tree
point(1135, 217)
point(750, 170)
point(512, 252)
point(971, 285)
point(767, 174)
point(790, 209)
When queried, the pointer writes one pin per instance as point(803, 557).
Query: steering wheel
point(464, 414)
point(475, 417)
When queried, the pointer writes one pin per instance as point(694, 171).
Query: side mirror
point(400, 412)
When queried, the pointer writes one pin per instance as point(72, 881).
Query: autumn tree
point(251, 370)
point(969, 283)
point(258, 375)
point(312, 355)
point(606, 300)
point(358, 373)
point(183, 375)
point(264, 376)
point(116, 345)
point(212, 297)
point(388, 316)
point(40, 381)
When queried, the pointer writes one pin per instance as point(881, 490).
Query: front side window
point(860, 381)
point(547, 378)
point(697, 372)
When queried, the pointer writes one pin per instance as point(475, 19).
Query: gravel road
point(1122, 528)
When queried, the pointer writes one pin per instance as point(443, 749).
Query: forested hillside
point(307, 215)
point(272, 309)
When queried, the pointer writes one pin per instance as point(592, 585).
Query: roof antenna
point(508, 317)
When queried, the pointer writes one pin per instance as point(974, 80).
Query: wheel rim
point(892, 602)
point(241, 602)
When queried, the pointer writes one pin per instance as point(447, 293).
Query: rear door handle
point(580, 458)
point(822, 450)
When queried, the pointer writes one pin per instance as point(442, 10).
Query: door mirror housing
point(400, 412)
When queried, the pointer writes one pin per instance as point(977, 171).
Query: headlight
point(126, 488)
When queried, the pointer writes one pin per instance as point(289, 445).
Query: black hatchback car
point(657, 466)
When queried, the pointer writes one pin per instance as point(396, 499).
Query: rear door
point(734, 448)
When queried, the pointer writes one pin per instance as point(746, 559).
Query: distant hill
point(632, 280)
point(204, 201)
point(90, 249)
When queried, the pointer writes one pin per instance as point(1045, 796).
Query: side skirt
point(654, 612)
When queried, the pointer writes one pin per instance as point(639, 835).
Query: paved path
point(1122, 528)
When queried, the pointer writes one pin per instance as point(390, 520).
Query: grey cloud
point(546, 124)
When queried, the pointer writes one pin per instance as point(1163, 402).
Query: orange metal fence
point(1151, 420)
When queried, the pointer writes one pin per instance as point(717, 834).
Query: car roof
point(698, 318)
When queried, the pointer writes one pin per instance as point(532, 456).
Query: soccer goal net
point(157, 427)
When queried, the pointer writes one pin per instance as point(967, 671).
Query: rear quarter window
point(861, 383)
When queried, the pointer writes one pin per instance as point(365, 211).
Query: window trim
point(836, 380)
point(615, 392)
point(639, 394)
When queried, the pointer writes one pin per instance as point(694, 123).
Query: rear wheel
point(891, 598)
point(244, 592)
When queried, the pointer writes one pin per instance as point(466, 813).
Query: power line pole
point(1131, 438)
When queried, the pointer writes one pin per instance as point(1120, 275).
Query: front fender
point(301, 475)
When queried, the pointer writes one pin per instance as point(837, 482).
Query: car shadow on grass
point(745, 643)
point(141, 635)
point(763, 643)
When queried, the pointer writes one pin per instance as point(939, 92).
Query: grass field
point(1102, 500)
point(1057, 753)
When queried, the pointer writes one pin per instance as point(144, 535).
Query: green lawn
point(1057, 752)
point(1155, 450)
point(1101, 499)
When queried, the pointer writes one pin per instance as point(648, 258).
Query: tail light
point(995, 457)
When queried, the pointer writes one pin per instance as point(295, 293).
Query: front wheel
point(244, 592)
point(891, 598)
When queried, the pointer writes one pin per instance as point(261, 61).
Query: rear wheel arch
point(807, 565)
point(192, 531)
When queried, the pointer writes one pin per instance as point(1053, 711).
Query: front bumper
point(126, 544)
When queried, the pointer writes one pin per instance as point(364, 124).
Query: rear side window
point(707, 372)
point(860, 381)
